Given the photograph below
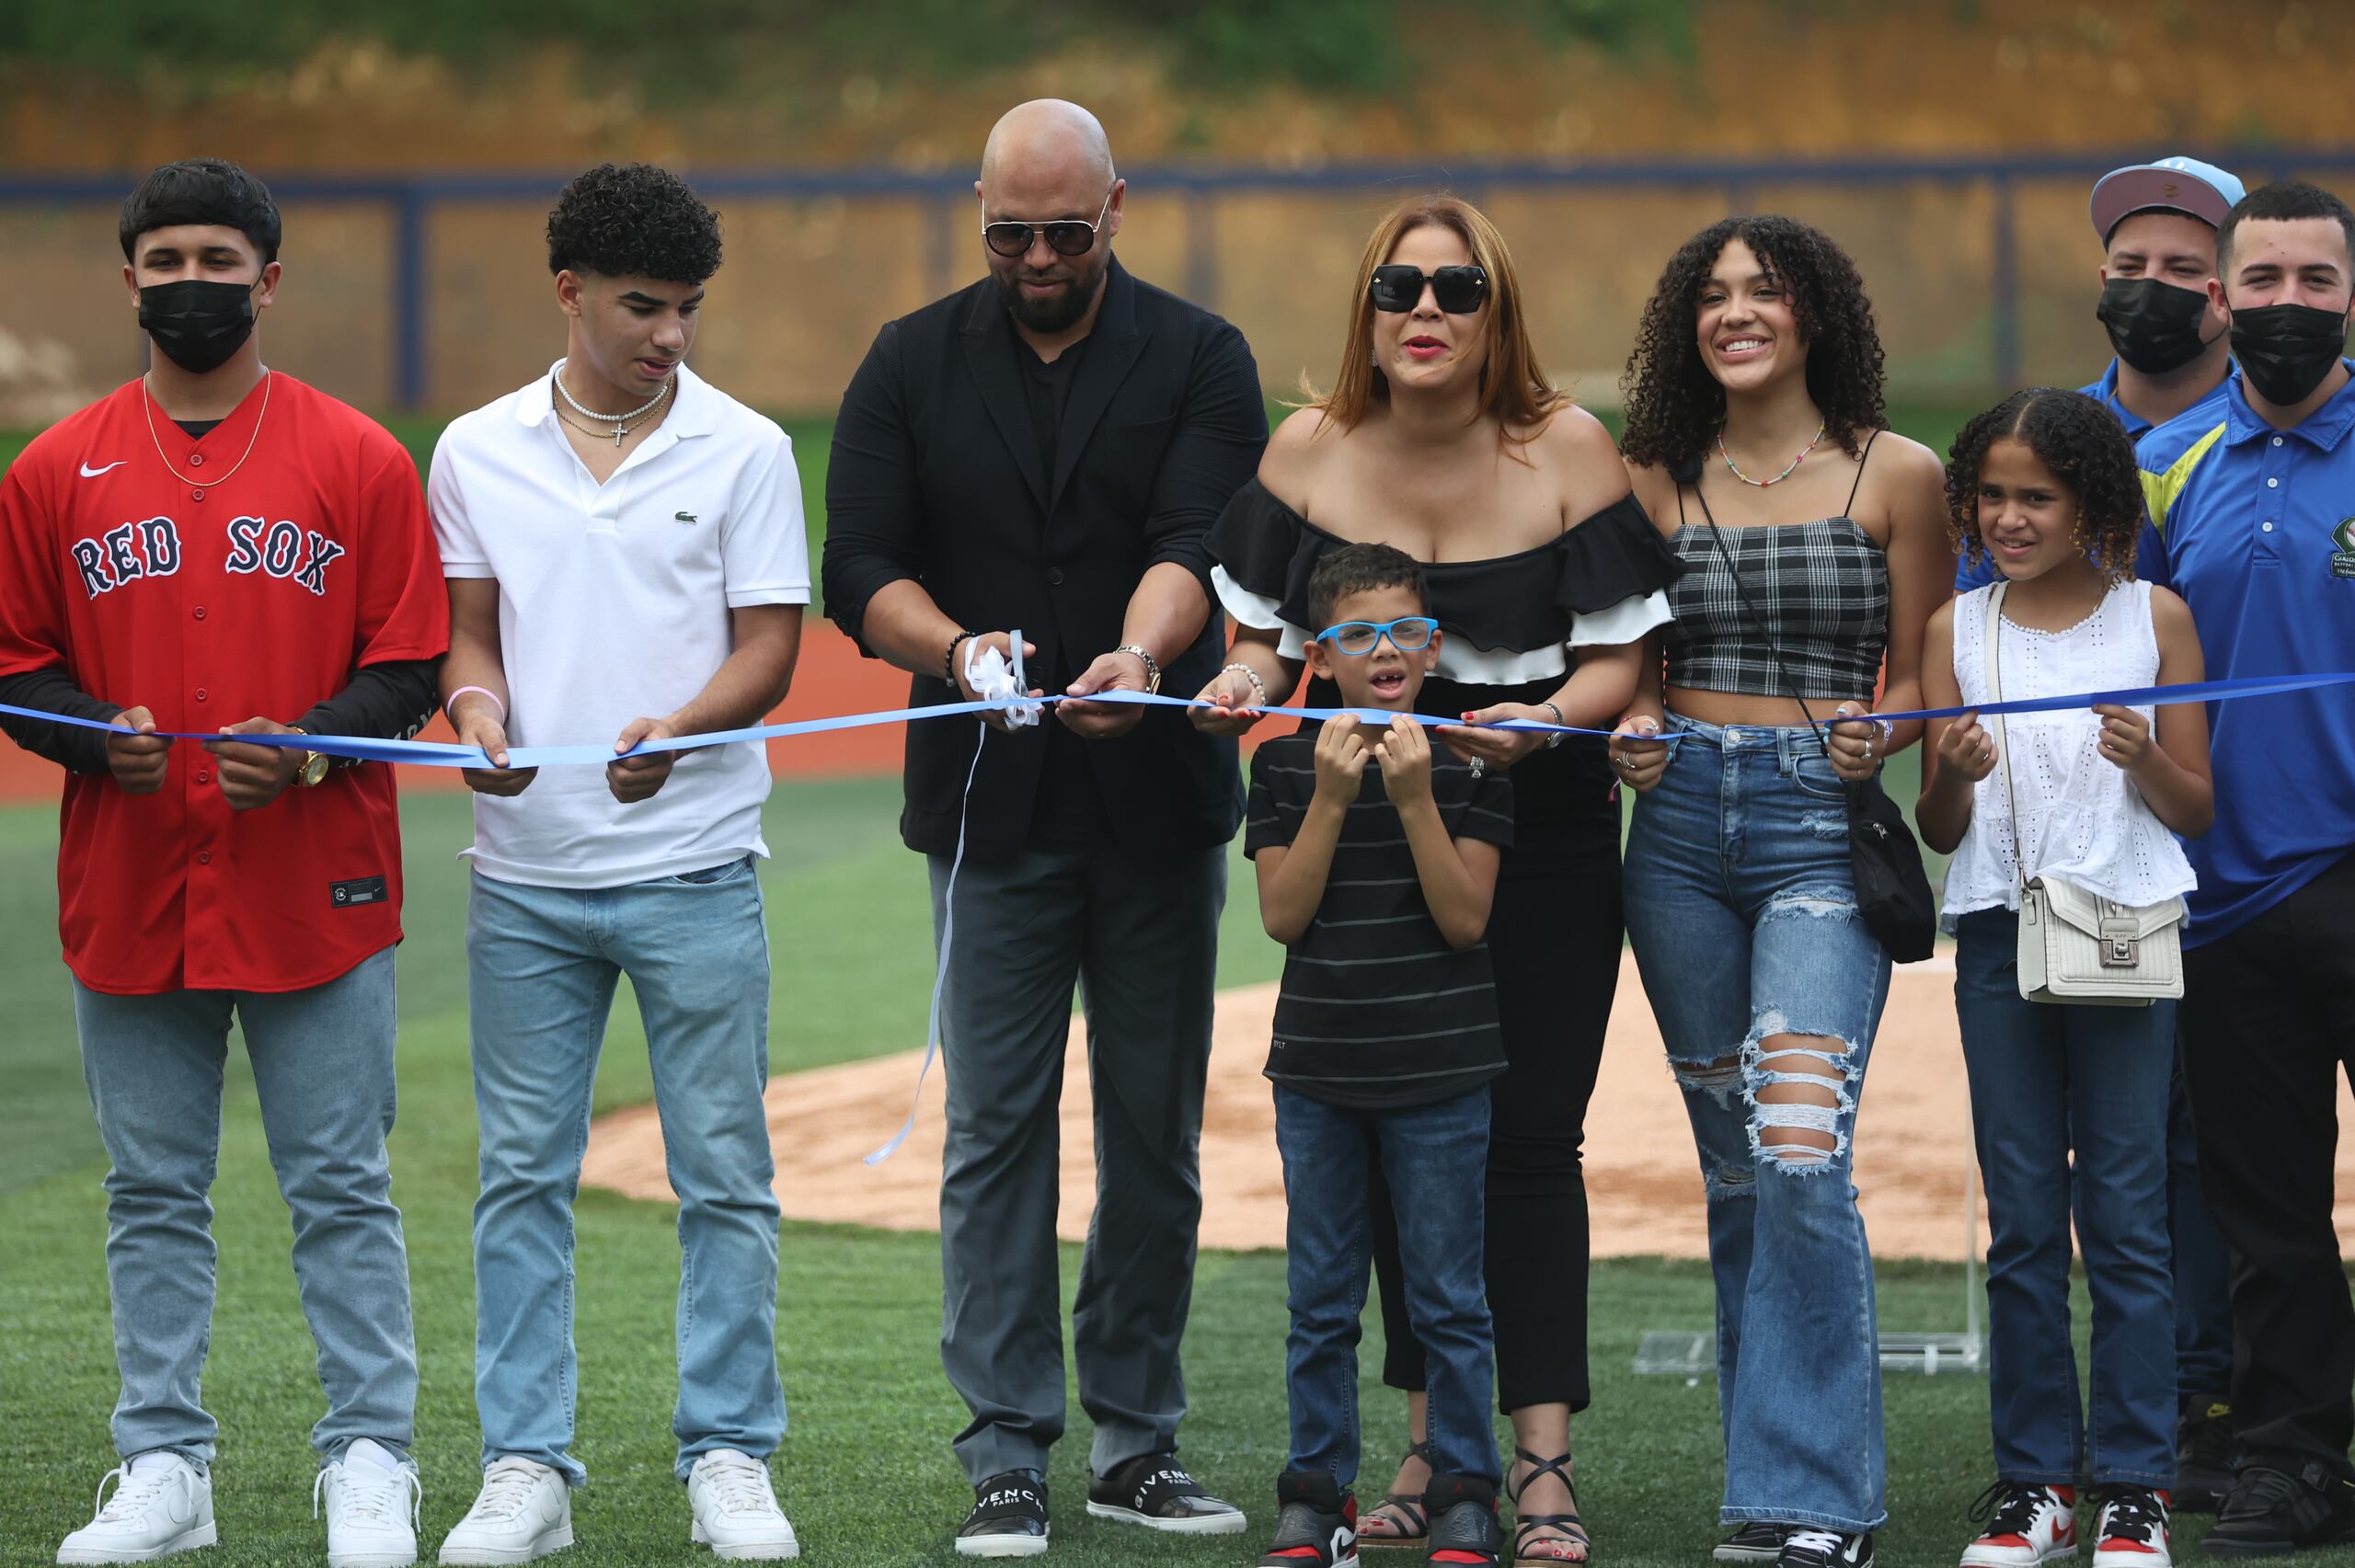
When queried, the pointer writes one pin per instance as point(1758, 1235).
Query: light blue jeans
point(542, 965)
point(323, 1070)
point(1768, 989)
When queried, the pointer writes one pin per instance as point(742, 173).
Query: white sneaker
point(371, 1497)
point(2133, 1531)
point(735, 1511)
point(2027, 1525)
point(163, 1505)
point(523, 1511)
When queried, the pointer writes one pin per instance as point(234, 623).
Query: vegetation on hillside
point(695, 46)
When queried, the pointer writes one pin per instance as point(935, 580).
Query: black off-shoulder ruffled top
point(1519, 603)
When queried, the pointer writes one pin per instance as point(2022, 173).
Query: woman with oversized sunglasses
point(1442, 437)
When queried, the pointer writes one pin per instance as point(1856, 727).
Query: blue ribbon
point(445, 755)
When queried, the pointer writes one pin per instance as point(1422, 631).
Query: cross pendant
point(617, 438)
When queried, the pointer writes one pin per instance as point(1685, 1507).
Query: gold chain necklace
point(147, 407)
point(613, 427)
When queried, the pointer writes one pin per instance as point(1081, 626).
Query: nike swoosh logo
point(90, 473)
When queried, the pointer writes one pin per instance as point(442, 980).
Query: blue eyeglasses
point(1408, 634)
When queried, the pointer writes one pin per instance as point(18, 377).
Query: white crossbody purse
point(2077, 947)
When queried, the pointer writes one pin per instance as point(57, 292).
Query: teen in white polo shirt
point(625, 560)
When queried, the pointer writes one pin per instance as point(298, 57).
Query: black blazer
point(935, 475)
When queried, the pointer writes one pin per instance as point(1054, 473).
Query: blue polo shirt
point(2255, 529)
point(2105, 392)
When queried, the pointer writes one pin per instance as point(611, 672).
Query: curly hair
point(1674, 405)
point(1362, 569)
point(633, 220)
point(2086, 448)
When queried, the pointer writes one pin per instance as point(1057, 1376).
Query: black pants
point(1555, 936)
point(2267, 1019)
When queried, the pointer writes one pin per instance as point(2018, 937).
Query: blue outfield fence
point(1227, 261)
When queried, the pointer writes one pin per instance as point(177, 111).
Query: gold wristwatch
point(315, 764)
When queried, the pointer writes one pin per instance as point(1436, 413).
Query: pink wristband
point(485, 690)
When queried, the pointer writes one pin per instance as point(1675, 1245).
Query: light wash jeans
point(323, 1070)
point(1742, 914)
point(542, 965)
point(2050, 1082)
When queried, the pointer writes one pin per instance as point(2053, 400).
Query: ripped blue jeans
point(1767, 989)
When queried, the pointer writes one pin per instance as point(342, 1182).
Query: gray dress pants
point(1138, 936)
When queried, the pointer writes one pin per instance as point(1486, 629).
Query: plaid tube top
point(1822, 589)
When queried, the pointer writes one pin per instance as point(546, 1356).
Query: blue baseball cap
point(2179, 185)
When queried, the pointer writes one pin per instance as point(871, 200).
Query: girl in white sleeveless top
point(2046, 483)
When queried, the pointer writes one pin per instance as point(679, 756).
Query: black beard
point(1054, 314)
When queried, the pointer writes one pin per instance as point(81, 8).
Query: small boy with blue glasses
point(1377, 858)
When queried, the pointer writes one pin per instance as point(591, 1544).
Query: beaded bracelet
point(949, 659)
point(1251, 675)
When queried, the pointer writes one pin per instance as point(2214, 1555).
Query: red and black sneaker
point(1463, 1521)
point(1317, 1523)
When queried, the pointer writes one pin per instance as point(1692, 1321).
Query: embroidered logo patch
point(684, 516)
point(2342, 558)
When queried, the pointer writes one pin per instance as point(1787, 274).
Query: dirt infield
point(1912, 1142)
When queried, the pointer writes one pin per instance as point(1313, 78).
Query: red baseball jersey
point(290, 548)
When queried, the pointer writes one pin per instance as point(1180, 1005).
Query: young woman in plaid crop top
point(1814, 547)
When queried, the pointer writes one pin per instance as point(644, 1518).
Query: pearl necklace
point(1761, 484)
point(613, 420)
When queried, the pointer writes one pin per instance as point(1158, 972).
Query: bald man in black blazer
point(1046, 450)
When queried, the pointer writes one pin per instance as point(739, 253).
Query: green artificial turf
point(866, 1472)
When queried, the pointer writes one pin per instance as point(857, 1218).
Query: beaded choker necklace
point(1760, 483)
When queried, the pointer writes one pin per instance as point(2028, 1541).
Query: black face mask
point(196, 323)
point(2154, 326)
point(2285, 350)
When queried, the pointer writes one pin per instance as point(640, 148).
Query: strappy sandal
point(1572, 1533)
point(1404, 1509)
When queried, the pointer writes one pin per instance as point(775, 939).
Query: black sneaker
point(2270, 1511)
point(1464, 1520)
point(1156, 1492)
point(1009, 1518)
point(2203, 1456)
point(1753, 1540)
point(1317, 1523)
point(1808, 1547)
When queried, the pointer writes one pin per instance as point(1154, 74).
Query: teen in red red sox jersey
point(218, 547)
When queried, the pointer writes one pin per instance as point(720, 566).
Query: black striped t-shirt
point(1376, 1011)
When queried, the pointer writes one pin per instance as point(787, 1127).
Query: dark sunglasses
point(1065, 237)
point(1408, 634)
point(1459, 290)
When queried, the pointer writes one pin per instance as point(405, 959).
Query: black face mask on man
point(2285, 350)
point(196, 323)
point(2153, 327)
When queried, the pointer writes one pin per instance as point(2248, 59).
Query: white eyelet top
point(2083, 822)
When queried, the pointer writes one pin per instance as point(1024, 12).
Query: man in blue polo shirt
point(2252, 505)
point(2158, 224)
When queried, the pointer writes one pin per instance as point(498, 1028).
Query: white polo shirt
point(614, 604)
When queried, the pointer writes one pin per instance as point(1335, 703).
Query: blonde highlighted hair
point(1513, 390)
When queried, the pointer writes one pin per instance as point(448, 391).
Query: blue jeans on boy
point(1768, 989)
point(542, 963)
point(2048, 1081)
point(1436, 1160)
point(322, 1062)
